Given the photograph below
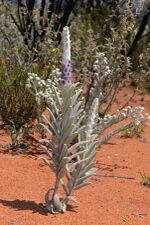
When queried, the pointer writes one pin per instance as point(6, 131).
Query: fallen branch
point(112, 176)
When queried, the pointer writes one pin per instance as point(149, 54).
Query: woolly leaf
point(51, 126)
point(86, 176)
point(49, 164)
point(81, 185)
point(71, 198)
point(58, 99)
point(46, 129)
point(76, 96)
point(52, 116)
point(70, 149)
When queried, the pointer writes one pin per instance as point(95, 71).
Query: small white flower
point(137, 122)
point(124, 114)
point(129, 107)
point(43, 82)
point(134, 116)
point(30, 77)
point(114, 116)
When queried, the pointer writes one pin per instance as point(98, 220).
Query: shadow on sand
point(31, 205)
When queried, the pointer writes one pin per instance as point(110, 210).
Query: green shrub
point(141, 74)
point(17, 106)
point(89, 41)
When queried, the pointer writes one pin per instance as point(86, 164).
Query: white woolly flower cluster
point(100, 66)
point(40, 88)
point(101, 76)
point(91, 120)
point(35, 85)
point(136, 114)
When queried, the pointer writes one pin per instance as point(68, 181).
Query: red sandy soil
point(108, 201)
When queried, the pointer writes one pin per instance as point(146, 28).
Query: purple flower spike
point(66, 62)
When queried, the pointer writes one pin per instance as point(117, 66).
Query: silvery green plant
point(72, 145)
point(73, 127)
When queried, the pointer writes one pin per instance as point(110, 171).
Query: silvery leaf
point(52, 116)
point(82, 185)
point(51, 126)
point(49, 164)
point(71, 198)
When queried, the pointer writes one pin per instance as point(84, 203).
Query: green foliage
point(34, 23)
point(141, 74)
point(17, 106)
point(99, 31)
point(12, 40)
point(89, 41)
